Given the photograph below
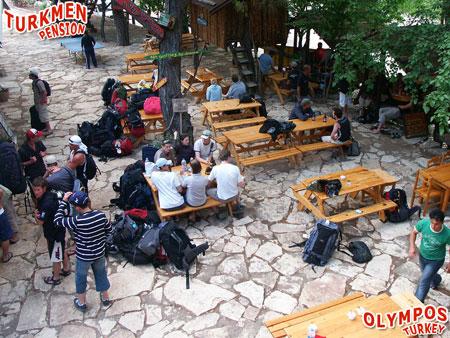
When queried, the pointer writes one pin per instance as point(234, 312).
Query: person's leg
point(12, 217)
point(213, 193)
point(94, 59)
point(6, 254)
point(102, 284)
point(44, 118)
point(327, 139)
point(81, 271)
point(87, 56)
point(429, 274)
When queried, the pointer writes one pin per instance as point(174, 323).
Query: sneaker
point(79, 306)
point(105, 302)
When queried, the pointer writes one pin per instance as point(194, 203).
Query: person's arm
point(334, 133)
point(42, 91)
point(405, 106)
point(412, 242)
point(108, 227)
point(212, 150)
point(198, 158)
point(31, 161)
point(208, 94)
point(77, 160)
point(93, 41)
point(62, 221)
point(241, 182)
point(82, 44)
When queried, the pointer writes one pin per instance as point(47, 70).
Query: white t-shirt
point(227, 177)
point(204, 150)
point(167, 182)
point(196, 189)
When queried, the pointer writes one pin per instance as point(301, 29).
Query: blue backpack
point(323, 240)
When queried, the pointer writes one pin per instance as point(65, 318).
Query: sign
point(174, 55)
point(166, 20)
point(180, 105)
point(202, 21)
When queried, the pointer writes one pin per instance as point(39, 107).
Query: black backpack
point(86, 133)
point(47, 87)
point(107, 91)
point(179, 248)
point(132, 184)
point(322, 242)
point(11, 172)
point(398, 196)
point(354, 149)
point(110, 122)
point(35, 121)
point(360, 252)
point(90, 168)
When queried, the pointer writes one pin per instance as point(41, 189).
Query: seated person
point(341, 129)
point(166, 152)
point(168, 185)
point(204, 148)
point(389, 113)
point(214, 91)
point(237, 89)
point(293, 73)
point(302, 111)
point(195, 185)
point(58, 178)
point(184, 150)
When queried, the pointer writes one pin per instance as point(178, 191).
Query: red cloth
point(139, 213)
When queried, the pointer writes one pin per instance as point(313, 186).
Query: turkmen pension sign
point(65, 19)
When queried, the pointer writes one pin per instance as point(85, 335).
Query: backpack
point(402, 212)
point(149, 242)
point(11, 173)
point(329, 187)
point(398, 196)
point(140, 198)
point(148, 153)
point(262, 109)
point(360, 252)
point(323, 240)
point(47, 87)
point(354, 149)
point(152, 106)
point(86, 132)
point(120, 105)
point(110, 122)
point(139, 98)
point(90, 167)
point(126, 146)
point(107, 91)
point(179, 248)
point(134, 122)
point(34, 119)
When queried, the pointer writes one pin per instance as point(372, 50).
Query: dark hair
point(234, 78)
point(40, 182)
point(319, 44)
point(183, 136)
point(271, 53)
point(338, 112)
point(196, 167)
point(224, 155)
point(437, 214)
point(166, 142)
point(305, 67)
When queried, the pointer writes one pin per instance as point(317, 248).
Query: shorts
point(213, 193)
point(6, 232)
point(56, 250)
point(344, 100)
point(43, 113)
point(328, 139)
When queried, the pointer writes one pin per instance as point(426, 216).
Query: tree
point(122, 27)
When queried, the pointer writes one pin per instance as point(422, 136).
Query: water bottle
point(312, 330)
point(183, 166)
point(325, 118)
point(148, 167)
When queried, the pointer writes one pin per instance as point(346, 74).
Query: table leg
point(205, 116)
point(278, 92)
point(444, 205)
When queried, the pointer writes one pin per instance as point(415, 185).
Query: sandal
point(8, 257)
point(79, 306)
point(49, 280)
point(105, 302)
point(65, 273)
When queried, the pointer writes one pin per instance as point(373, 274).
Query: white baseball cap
point(34, 71)
point(75, 139)
point(162, 162)
point(50, 159)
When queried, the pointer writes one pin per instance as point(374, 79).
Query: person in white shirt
point(204, 148)
point(168, 185)
point(228, 178)
point(195, 185)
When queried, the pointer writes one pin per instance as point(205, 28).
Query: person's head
point(206, 136)
point(306, 104)
point(80, 200)
point(213, 82)
point(293, 64)
point(307, 69)
point(74, 142)
point(436, 219)
point(196, 167)
point(184, 139)
point(39, 186)
point(33, 135)
point(51, 162)
point(166, 146)
point(234, 78)
point(33, 73)
point(86, 32)
point(272, 53)
point(337, 112)
point(163, 164)
point(319, 45)
point(224, 155)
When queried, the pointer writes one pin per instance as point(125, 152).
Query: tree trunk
point(171, 69)
point(121, 23)
point(102, 22)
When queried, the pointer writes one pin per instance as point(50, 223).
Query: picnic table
point(332, 321)
point(359, 180)
point(73, 45)
point(275, 81)
point(152, 124)
point(439, 177)
point(214, 110)
point(134, 59)
point(198, 83)
point(132, 79)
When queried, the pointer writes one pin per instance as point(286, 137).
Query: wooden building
point(224, 23)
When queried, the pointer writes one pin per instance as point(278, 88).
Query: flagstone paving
point(249, 274)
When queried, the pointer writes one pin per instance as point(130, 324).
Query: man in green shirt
point(435, 238)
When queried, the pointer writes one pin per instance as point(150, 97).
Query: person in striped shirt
point(90, 229)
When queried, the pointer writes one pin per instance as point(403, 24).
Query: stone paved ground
point(248, 276)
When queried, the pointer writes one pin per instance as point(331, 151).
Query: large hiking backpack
point(402, 212)
point(323, 240)
point(179, 248)
point(134, 122)
point(47, 87)
point(107, 91)
point(11, 172)
point(110, 121)
point(139, 98)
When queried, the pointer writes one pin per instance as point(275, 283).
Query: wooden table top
point(440, 173)
point(149, 117)
point(203, 74)
point(227, 105)
point(134, 78)
point(252, 134)
point(278, 77)
point(140, 56)
point(334, 323)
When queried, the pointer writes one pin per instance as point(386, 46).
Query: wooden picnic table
point(369, 182)
point(199, 83)
point(214, 111)
point(440, 176)
point(275, 80)
point(332, 321)
point(129, 80)
point(136, 58)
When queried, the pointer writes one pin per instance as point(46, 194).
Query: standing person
point(169, 186)
point(40, 99)
point(341, 129)
point(184, 150)
point(266, 67)
point(435, 238)
point(32, 153)
point(87, 44)
point(47, 205)
point(77, 159)
point(345, 100)
point(320, 54)
point(214, 91)
point(204, 148)
point(6, 232)
point(303, 80)
point(166, 152)
point(59, 178)
point(237, 89)
point(90, 229)
point(7, 204)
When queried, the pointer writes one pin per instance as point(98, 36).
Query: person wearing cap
point(32, 153)
point(204, 148)
point(214, 91)
point(59, 178)
point(169, 186)
point(40, 99)
point(302, 111)
point(90, 229)
point(77, 159)
point(47, 204)
point(166, 152)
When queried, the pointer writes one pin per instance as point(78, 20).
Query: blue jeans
point(429, 278)
point(90, 55)
point(100, 275)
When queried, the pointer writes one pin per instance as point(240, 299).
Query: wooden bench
point(318, 146)
point(277, 326)
point(145, 67)
point(192, 89)
point(371, 209)
point(238, 123)
point(273, 155)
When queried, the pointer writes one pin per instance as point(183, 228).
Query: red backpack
point(152, 105)
point(121, 106)
point(126, 146)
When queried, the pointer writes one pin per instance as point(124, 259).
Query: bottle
point(312, 330)
point(313, 117)
point(325, 118)
point(183, 166)
point(148, 167)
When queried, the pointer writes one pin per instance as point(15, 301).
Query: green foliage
point(151, 5)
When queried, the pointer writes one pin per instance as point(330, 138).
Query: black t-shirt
point(87, 42)
point(184, 152)
point(47, 206)
point(26, 153)
point(303, 83)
